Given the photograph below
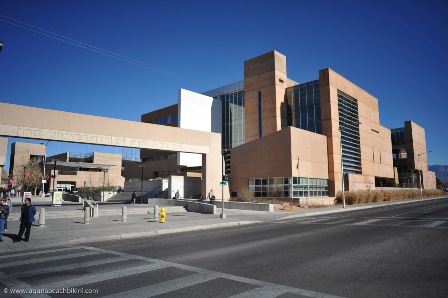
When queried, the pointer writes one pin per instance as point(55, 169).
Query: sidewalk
point(70, 231)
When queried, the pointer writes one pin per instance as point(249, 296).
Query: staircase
point(126, 196)
point(122, 198)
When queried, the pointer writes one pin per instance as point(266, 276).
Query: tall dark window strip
point(260, 125)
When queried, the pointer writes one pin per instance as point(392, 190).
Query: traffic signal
point(24, 171)
point(227, 162)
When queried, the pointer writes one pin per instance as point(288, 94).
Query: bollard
point(42, 217)
point(86, 215)
point(124, 216)
point(156, 213)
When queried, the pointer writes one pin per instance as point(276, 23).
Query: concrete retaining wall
point(163, 202)
point(246, 206)
point(200, 207)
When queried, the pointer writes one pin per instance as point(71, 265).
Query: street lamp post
point(54, 178)
point(24, 178)
point(420, 172)
point(104, 180)
point(141, 186)
point(43, 176)
point(341, 129)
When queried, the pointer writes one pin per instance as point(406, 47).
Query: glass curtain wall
point(303, 110)
point(406, 178)
point(232, 119)
point(348, 119)
point(288, 187)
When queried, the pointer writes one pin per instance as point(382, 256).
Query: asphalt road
point(392, 251)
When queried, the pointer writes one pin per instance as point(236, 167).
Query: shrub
point(373, 196)
point(96, 189)
point(245, 195)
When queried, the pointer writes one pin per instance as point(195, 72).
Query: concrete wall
point(246, 206)
point(3, 151)
point(200, 208)
point(148, 185)
point(375, 140)
point(418, 153)
point(195, 112)
point(187, 186)
point(288, 152)
point(265, 73)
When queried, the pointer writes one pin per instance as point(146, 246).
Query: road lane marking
point(29, 261)
point(12, 283)
point(100, 277)
point(69, 267)
point(369, 221)
point(166, 286)
point(20, 254)
point(434, 224)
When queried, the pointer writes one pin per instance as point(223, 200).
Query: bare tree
point(4, 175)
point(29, 176)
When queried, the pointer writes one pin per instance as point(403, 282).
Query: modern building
point(410, 156)
point(292, 140)
point(68, 171)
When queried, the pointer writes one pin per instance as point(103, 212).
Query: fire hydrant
point(162, 215)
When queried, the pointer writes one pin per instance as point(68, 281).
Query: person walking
point(176, 195)
point(4, 211)
point(9, 204)
point(134, 196)
point(211, 196)
point(26, 219)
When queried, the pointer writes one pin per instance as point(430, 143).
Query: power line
point(95, 49)
point(114, 55)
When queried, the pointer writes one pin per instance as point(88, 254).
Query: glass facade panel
point(232, 119)
point(406, 177)
point(303, 109)
point(288, 187)
point(349, 129)
point(168, 120)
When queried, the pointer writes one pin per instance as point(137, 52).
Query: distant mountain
point(441, 172)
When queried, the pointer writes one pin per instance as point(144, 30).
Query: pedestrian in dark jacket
point(4, 211)
point(26, 219)
point(134, 196)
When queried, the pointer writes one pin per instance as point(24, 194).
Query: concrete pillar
point(86, 215)
point(156, 212)
point(124, 215)
point(42, 217)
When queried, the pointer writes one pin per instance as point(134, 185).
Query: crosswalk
point(410, 222)
point(95, 272)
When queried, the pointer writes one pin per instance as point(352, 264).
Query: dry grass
point(373, 196)
point(351, 197)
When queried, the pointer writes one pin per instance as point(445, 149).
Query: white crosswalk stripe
point(48, 259)
point(69, 267)
point(434, 224)
point(198, 276)
point(166, 287)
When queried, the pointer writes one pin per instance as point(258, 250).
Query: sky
point(121, 59)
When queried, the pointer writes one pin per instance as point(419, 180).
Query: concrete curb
point(152, 233)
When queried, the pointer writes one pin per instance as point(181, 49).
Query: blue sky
point(121, 59)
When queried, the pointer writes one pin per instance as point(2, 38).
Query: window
point(287, 187)
point(349, 130)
